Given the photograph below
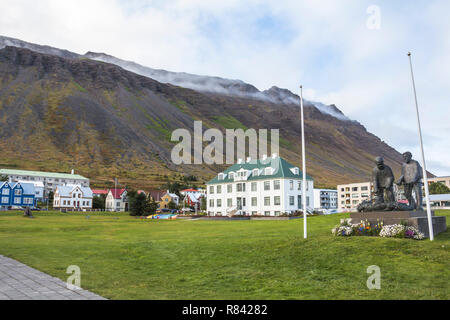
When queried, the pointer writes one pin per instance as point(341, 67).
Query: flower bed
point(346, 228)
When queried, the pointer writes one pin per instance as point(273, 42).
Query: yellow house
point(165, 200)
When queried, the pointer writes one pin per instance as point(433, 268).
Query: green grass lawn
point(127, 258)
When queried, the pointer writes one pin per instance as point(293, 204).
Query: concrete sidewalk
point(20, 282)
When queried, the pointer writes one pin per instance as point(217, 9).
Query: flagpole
point(305, 235)
point(424, 167)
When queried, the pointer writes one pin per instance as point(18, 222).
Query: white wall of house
point(281, 197)
point(75, 199)
point(116, 205)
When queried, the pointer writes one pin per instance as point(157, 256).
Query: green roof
point(40, 174)
point(281, 166)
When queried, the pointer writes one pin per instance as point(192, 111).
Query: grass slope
point(126, 258)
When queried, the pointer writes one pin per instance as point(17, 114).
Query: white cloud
point(325, 45)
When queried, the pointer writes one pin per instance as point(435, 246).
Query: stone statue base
point(416, 219)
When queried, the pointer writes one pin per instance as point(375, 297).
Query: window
point(291, 185)
point(244, 202)
point(277, 213)
point(355, 201)
point(17, 200)
point(267, 201)
point(276, 185)
point(221, 176)
point(267, 213)
point(230, 188)
point(229, 203)
point(266, 185)
point(5, 192)
point(18, 192)
point(299, 185)
point(276, 200)
point(291, 200)
point(211, 203)
point(307, 201)
point(219, 189)
point(219, 203)
point(254, 186)
point(364, 188)
point(28, 200)
point(64, 202)
point(364, 195)
point(355, 189)
point(355, 195)
point(255, 172)
point(241, 187)
point(299, 202)
point(231, 175)
point(5, 199)
point(254, 213)
point(211, 190)
point(118, 204)
point(254, 202)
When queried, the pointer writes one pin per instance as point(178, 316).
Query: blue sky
point(325, 45)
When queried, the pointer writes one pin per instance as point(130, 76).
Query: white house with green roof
point(270, 186)
point(50, 180)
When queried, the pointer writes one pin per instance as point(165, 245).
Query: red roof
point(99, 191)
point(189, 190)
point(117, 193)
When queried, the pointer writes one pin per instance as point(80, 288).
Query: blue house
point(17, 194)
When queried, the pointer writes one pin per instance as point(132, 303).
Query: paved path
point(20, 282)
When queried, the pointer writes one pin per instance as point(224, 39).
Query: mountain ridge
point(201, 83)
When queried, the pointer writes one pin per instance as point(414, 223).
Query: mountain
point(60, 110)
point(181, 79)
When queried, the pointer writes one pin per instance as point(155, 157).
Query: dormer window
point(255, 172)
point(295, 170)
point(221, 176)
point(231, 174)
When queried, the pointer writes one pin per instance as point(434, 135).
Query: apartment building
point(325, 199)
point(351, 195)
point(443, 180)
point(46, 180)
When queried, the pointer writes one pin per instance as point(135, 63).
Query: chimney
point(264, 156)
point(249, 159)
point(275, 155)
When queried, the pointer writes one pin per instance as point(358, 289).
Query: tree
point(137, 203)
point(50, 199)
point(3, 178)
point(171, 205)
point(151, 205)
point(99, 202)
point(203, 204)
point(438, 188)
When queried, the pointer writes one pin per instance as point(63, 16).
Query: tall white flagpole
point(305, 234)
point(424, 167)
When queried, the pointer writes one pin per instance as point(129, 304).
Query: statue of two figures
point(383, 187)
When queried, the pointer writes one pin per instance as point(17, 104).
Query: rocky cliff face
point(60, 112)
